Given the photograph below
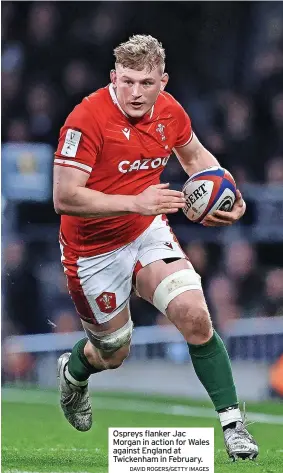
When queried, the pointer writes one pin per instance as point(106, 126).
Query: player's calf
point(91, 355)
point(100, 351)
point(189, 313)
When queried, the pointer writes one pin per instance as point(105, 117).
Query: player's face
point(137, 91)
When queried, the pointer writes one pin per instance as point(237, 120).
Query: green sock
point(213, 368)
point(78, 365)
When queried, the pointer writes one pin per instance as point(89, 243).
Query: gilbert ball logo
point(226, 204)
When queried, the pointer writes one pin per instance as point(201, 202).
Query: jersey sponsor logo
point(168, 244)
point(71, 143)
point(126, 132)
point(106, 302)
point(142, 164)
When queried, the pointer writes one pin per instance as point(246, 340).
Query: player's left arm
point(194, 157)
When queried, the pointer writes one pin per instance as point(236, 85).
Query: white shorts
point(101, 285)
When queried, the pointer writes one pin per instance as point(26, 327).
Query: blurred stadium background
point(225, 62)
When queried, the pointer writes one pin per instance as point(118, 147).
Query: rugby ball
point(208, 190)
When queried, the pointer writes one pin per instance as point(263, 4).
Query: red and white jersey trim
point(187, 142)
point(152, 110)
point(74, 164)
point(115, 100)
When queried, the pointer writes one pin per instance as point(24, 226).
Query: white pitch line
point(57, 449)
point(131, 405)
point(21, 471)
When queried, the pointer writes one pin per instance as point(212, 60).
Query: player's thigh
point(100, 285)
point(179, 297)
point(151, 276)
point(112, 325)
point(167, 279)
point(159, 255)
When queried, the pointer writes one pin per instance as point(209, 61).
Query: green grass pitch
point(36, 437)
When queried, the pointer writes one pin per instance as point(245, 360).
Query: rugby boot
point(239, 443)
point(74, 400)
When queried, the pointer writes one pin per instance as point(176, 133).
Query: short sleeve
point(184, 130)
point(80, 140)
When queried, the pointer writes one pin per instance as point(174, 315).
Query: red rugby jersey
point(120, 158)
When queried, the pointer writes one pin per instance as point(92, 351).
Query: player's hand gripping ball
point(212, 198)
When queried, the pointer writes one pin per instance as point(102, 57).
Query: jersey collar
point(115, 100)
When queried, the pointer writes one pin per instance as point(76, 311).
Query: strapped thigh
point(173, 285)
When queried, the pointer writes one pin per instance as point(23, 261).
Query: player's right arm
point(80, 142)
point(71, 197)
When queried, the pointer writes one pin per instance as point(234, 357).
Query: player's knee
point(111, 342)
point(116, 359)
point(201, 327)
point(193, 320)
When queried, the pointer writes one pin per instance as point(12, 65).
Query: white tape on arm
point(173, 285)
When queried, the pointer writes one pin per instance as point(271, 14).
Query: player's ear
point(164, 81)
point(113, 76)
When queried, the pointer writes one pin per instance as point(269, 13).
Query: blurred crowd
point(225, 61)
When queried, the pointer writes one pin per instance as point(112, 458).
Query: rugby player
point(114, 233)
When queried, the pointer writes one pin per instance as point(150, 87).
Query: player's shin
point(213, 368)
point(78, 368)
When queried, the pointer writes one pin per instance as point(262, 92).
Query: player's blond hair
point(141, 52)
